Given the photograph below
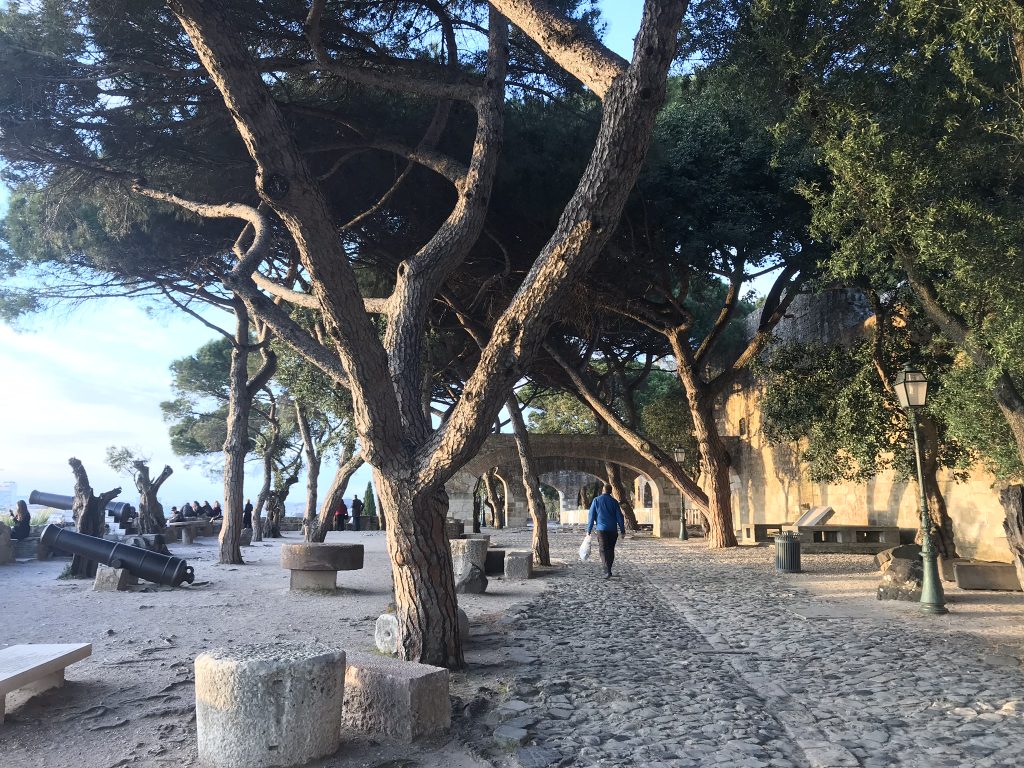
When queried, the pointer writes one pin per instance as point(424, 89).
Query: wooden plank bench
point(36, 668)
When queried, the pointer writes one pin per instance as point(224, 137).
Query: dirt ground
point(132, 701)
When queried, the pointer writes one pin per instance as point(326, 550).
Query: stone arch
point(551, 453)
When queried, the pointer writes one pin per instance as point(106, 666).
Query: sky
point(75, 381)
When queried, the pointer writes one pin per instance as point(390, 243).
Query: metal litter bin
point(787, 552)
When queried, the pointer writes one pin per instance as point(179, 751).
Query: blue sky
point(73, 382)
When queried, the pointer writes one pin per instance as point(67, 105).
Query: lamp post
point(679, 455)
point(912, 391)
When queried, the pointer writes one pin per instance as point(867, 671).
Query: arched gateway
point(553, 454)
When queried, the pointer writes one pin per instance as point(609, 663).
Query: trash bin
point(787, 552)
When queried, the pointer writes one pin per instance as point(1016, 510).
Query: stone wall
point(770, 486)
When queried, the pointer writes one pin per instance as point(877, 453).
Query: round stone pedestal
point(315, 566)
point(259, 707)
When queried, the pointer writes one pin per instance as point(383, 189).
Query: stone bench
point(26, 549)
point(315, 565)
point(848, 539)
point(984, 575)
point(36, 668)
point(259, 705)
point(399, 699)
point(186, 531)
point(518, 565)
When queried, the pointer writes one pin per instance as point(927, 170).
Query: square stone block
point(518, 565)
point(466, 553)
point(399, 699)
point(978, 575)
point(113, 579)
point(315, 580)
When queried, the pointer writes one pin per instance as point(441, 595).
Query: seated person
point(218, 513)
point(188, 510)
point(21, 522)
point(176, 516)
point(206, 510)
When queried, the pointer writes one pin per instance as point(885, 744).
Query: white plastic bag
point(585, 549)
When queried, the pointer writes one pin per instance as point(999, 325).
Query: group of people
point(21, 521)
point(197, 511)
point(341, 514)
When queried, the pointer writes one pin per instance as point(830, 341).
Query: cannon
point(122, 512)
point(151, 566)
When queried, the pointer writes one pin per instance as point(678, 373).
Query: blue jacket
point(607, 514)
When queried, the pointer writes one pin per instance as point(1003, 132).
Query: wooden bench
point(36, 668)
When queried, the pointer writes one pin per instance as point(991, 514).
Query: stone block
point(901, 580)
point(260, 706)
point(311, 556)
point(982, 575)
point(518, 565)
point(245, 537)
point(468, 553)
point(472, 582)
point(904, 552)
point(454, 529)
point(25, 549)
point(463, 626)
point(320, 581)
point(113, 579)
point(6, 547)
point(399, 699)
point(494, 563)
point(481, 536)
point(385, 633)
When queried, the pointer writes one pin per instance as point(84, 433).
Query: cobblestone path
point(682, 659)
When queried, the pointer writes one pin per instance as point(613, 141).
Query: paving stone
point(724, 676)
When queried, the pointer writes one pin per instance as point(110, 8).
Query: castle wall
point(770, 484)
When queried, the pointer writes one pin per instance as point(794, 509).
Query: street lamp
point(679, 454)
point(912, 391)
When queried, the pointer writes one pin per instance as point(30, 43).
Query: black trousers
point(606, 540)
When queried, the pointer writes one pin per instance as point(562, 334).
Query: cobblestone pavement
point(691, 658)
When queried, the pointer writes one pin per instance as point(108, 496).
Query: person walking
point(247, 514)
point(357, 511)
point(606, 516)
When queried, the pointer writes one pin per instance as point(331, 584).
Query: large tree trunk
point(89, 512)
point(1013, 506)
point(310, 525)
point(497, 510)
point(942, 525)
point(334, 495)
point(422, 572)
point(236, 441)
point(714, 462)
point(534, 498)
point(151, 511)
point(476, 506)
point(614, 474)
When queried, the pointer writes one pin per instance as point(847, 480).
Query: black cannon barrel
point(152, 566)
point(58, 501)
